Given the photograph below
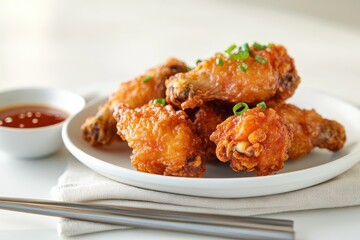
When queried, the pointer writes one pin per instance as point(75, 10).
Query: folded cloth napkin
point(80, 184)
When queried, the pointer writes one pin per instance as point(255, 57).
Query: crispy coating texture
point(101, 128)
point(257, 141)
point(273, 82)
point(310, 130)
point(164, 141)
point(206, 119)
point(261, 140)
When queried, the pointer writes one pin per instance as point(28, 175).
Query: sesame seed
point(8, 120)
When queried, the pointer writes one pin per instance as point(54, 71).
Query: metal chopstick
point(275, 224)
point(208, 224)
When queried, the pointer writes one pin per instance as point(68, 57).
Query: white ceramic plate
point(220, 181)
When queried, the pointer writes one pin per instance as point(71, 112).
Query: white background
point(89, 46)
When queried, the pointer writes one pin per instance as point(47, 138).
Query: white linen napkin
point(80, 184)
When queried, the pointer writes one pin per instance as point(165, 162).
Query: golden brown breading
point(164, 141)
point(310, 130)
point(101, 128)
point(261, 140)
point(273, 81)
point(257, 141)
point(208, 116)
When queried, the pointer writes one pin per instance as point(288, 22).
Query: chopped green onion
point(234, 57)
point(159, 101)
point(147, 78)
point(190, 68)
point(243, 108)
point(219, 62)
point(260, 59)
point(270, 45)
point(259, 46)
point(241, 55)
point(245, 47)
point(230, 49)
point(261, 104)
point(243, 67)
point(198, 61)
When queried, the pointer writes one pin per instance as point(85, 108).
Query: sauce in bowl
point(30, 116)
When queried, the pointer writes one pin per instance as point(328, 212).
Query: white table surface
point(89, 46)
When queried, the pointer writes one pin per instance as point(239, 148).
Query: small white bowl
point(39, 141)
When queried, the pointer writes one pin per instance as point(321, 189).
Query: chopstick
point(207, 224)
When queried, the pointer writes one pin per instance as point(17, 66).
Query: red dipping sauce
point(30, 116)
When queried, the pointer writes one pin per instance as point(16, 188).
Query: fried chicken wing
point(261, 140)
point(257, 140)
point(310, 130)
point(267, 75)
point(206, 119)
point(164, 141)
point(101, 128)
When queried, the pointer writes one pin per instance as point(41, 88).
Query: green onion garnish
point(260, 59)
point(233, 57)
point(259, 46)
point(261, 104)
point(159, 101)
point(243, 108)
point(190, 68)
point(198, 61)
point(219, 62)
point(241, 55)
point(243, 67)
point(230, 49)
point(147, 78)
point(245, 47)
